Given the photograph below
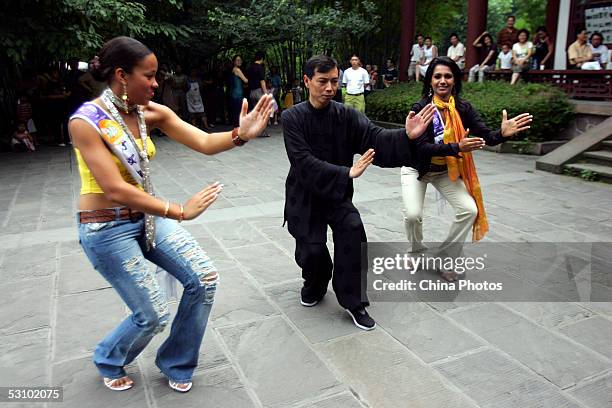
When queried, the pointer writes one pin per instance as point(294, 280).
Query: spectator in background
point(390, 76)
point(504, 59)
point(484, 43)
point(209, 96)
point(193, 99)
point(430, 52)
point(275, 106)
point(580, 54)
point(415, 56)
point(355, 79)
point(339, 96)
point(368, 86)
point(25, 116)
point(456, 51)
point(297, 92)
point(521, 56)
point(508, 34)
point(374, 77)
point(237, 82)
point(599, 51)
point(256, 74)
point(276, 83)
point(178, 84)
point(22, 141)
point(288, 97)
point(92, 87)
point(543, 49)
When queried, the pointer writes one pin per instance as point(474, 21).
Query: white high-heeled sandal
point(109, 383)
point(175, 386)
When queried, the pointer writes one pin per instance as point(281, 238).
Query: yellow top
point(89, 185)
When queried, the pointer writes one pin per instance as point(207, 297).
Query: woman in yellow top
point(444, 159)
point(122, 224)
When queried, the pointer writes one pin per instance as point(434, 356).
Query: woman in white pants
point(444, 160)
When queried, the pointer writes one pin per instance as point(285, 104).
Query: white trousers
point(476, 70)
point(413, 195)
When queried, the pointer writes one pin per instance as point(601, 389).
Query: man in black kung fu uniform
point(321, 138)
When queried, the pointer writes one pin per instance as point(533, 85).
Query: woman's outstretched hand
point(253, 123)
point(510, 127)
point(468, 144)
point(197, 204)
point(416, 123)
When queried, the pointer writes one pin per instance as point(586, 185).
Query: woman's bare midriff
point(96, 202)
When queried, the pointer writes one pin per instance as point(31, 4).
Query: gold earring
point(125, 98)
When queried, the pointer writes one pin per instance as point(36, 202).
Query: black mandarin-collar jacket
point(321, 144)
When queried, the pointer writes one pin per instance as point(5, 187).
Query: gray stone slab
point(288, 245)
point(267, 263)
point(362, 360)
point(70, 248)
point(235, 233)
point(325, 321)
point(595, 333)
point(83, 386)
point(494, 381)
point(25, 306)
point(561, 361)
point(49, 223)
point(24, 359)
point(28, 262)
point(271, 227)
point(78, 275)
point(595, 394)
point(273, 357)
point(344, 400)
point(214, 388)
point(603, 308)
point(549, 314)
point(238, 300)
point(83, 320)
point(423, 331)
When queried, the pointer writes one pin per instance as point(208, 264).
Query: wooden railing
point(577, 83)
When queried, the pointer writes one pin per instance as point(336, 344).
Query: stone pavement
point(263, 349)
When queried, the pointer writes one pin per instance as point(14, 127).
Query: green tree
point(40, 32)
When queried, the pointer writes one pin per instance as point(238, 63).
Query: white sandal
point(109, 383)
point(175, 386)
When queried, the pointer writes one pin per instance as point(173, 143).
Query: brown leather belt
point(109, 214)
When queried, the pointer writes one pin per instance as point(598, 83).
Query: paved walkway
point(262, 348)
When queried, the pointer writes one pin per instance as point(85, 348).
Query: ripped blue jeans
point(116, 250)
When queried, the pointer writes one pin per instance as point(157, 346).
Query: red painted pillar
point(476, 24)
point(552, 21)
point(408, 9)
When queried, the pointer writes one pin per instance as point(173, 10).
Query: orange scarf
point(462, 166)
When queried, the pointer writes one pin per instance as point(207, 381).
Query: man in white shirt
point(415, 55)
point(600, 51)
point(456, 51)
point(355, 79)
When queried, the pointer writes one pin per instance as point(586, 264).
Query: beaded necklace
point(108, 97)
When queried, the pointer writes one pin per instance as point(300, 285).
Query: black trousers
point(345, 271)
